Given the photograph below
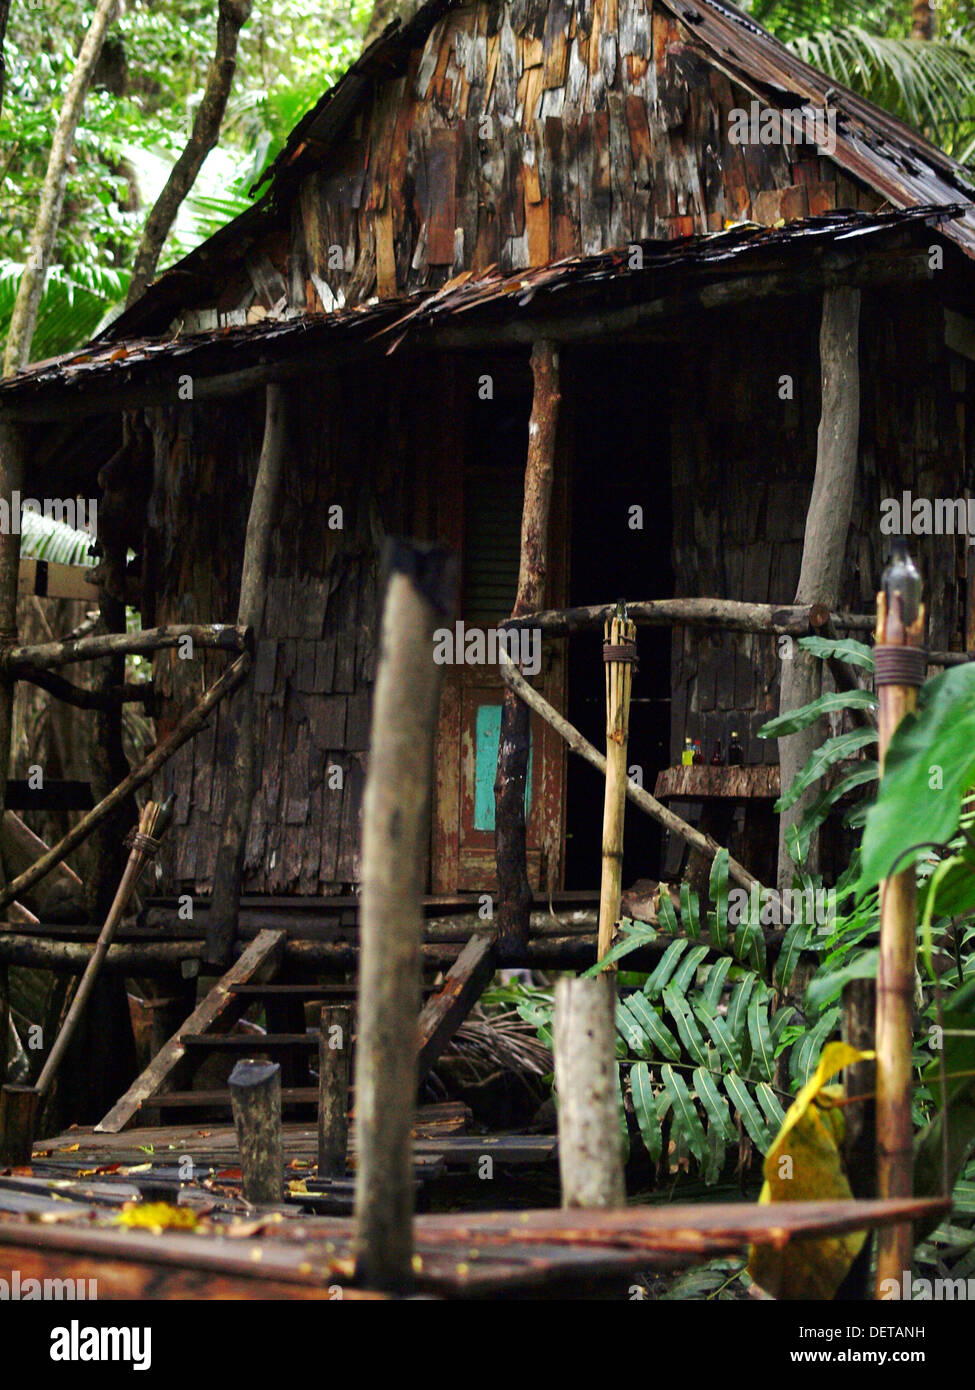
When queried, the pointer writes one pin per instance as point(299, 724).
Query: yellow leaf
point(804, 1165)
point(156, 1216)
point(297, 1185)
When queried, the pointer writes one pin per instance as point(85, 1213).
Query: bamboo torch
point(900, 668)
point(619, 655)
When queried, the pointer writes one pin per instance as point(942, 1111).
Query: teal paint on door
point(487, 733)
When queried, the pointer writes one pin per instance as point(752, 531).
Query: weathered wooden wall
point(518, 134)
point(354, 444)
point(743, 462)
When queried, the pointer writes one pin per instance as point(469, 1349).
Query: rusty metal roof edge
point(717, 251)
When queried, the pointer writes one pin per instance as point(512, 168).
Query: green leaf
point(751, 1117)
point(737, 1016)
point(714, 1104)
point(645, 1108)
point(939, 735)
point(690, 911)
point(846, 649)
point(685, 1116)
point(667, 915)
point(715, 982)
point(718, 891)
point(631, 938)
point(797, 719)
point(834, 750)
point(684, 974)
point(680, 1012)
point(793, 945)
point(646, 1018)
point(817, 812)
point(665, 968)
point(758, 1030)
point(722, 1036)
point(769, 1102)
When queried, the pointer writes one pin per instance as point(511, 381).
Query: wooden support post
point(900, 670)
point(18, 1113)
point(255, 1095)
point(590, 1148)
point(824, 543)
point(510, 834)
point(243, 774)
point(619, 655)
point(12, 446)
point(421, 584)
point(334, 1050)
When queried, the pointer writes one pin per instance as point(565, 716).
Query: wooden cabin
point(488, 176)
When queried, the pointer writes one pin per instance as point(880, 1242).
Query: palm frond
point(45, 538)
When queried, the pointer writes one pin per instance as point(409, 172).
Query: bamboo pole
point(707, 845)
point(619, 655)
point(900, 670)
point(395, 830)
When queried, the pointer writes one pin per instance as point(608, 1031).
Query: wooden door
point(480, 515)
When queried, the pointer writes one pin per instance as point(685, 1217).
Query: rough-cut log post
point(190, 724)
point(824, 544)
point(619, 655)
point(18, 1114)
point(242, 777)
point(510, 835)
point(859, 1143)
point(590, 1147)
point(255, 1094)
point(11, 481)
point(900, 670)
point(396, 813)
point(334, 1039)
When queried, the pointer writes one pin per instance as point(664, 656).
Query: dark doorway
point(620, 461)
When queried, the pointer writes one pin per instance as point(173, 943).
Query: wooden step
point(244, 1042)
point(220, 1100)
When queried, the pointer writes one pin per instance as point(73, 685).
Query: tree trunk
point(31, 287)
point(924, 19)
point(514, 740)
point(233, 15)
point(824, 544)
point(12, 449)
point(242, 779)
point(384, 12)
point(4, 15)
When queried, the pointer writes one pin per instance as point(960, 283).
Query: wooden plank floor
point(62, 1214)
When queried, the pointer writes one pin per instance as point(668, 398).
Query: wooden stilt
point(334, 1052)
point(396, 813)
point(510, 835)
point(590, 1151)
point(242, 777)
point(18, 1113)
point(255, 1095)
point(824, 543)
point(12, 446)
point(619, 654)
point(900, 668)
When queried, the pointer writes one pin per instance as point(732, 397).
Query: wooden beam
point(510, 833)
point(216, 1013)
point(445, 1011)
point(714, 614)
point(243, 773)
point(824, 545)
point(51, 655)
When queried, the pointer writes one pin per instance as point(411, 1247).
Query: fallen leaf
point(156, 1216)
point(70, 1149)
